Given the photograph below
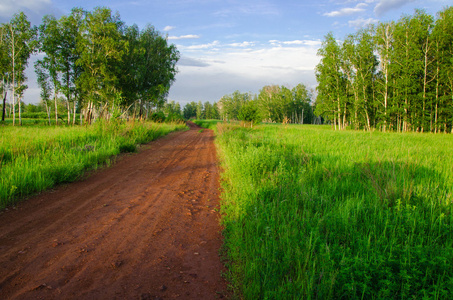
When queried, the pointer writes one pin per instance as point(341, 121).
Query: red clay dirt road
point(145, 228)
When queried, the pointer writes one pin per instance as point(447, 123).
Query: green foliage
point(279, 103)
point(93, 59)
point(148, 67)
point(331, 83)
point(158, 117)
point(412, 88)
point(230, 105)
point(190, 110)
point(210, 111)
point(174, 118)
point(210, 124)
point(272, 104)
point(194, 110)
point(126, 146)
point(19, 42)
point(37, 158)
point(249, 112)
point(314, 214)
point(172, 108)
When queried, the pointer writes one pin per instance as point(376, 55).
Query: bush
point(174, 118)
point(249, 113)
point(34, 115)
point(157, 117)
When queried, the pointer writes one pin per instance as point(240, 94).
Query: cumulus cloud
point(242, 45)
point(361, 22)
point(168, 28)
point(347, 11)
point(184, 37)
point(229, 69)
point(387, 5)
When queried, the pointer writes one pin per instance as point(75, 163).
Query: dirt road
point(145, 228)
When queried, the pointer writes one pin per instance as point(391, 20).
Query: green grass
point(36, 158)
point(40, 119)
point(310, 213)
point(210, 124)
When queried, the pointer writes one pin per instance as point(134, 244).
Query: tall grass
point(310, 213)
point(36, 158)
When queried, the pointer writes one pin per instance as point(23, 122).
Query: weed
point(310, 213)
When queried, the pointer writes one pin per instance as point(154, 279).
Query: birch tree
point(5, 66)
point(443, 39)
point(384, 44)
point(50, 39)
point(365, 63)
point(101, 48)
point(331, 82)
point(70, 30)
point(21, 41)
point(43, 82)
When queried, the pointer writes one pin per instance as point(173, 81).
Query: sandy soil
point(145, 228)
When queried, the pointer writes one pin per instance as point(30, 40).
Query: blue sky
point(229, 45)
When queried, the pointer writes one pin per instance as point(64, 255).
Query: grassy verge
point(36, 158)
point(210, 124)
point(310, 213)
point(38, 119)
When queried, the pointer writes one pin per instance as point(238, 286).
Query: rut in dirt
point(145, 228)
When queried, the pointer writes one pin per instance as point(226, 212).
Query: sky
point(229, 45)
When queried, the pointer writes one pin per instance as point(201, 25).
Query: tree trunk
point(4, 106)
point(69, 113)
point(47, 111)
point(56, 108)
point(20, 117)
point(339, 114)
point(74, 114)
point(13, 57)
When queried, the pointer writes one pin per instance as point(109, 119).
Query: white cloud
point(310, 43)
point(387, 5)
point(184, 37)
point(168, 28)
point(230, 69)
point(199, 47)
point(347, 11)
point(361, 22)
point(243, 44)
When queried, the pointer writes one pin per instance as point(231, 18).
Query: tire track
point(144, 228)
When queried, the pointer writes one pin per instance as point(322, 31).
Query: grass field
point(36, 158)
point(311, 213)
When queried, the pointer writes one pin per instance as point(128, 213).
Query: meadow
point(36, 158)
point(312, 213)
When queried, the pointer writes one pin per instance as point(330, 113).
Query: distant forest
point(394, 76)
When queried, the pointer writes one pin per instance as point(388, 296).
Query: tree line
point(273, 103)
point(391, 76)
point(99, 65)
